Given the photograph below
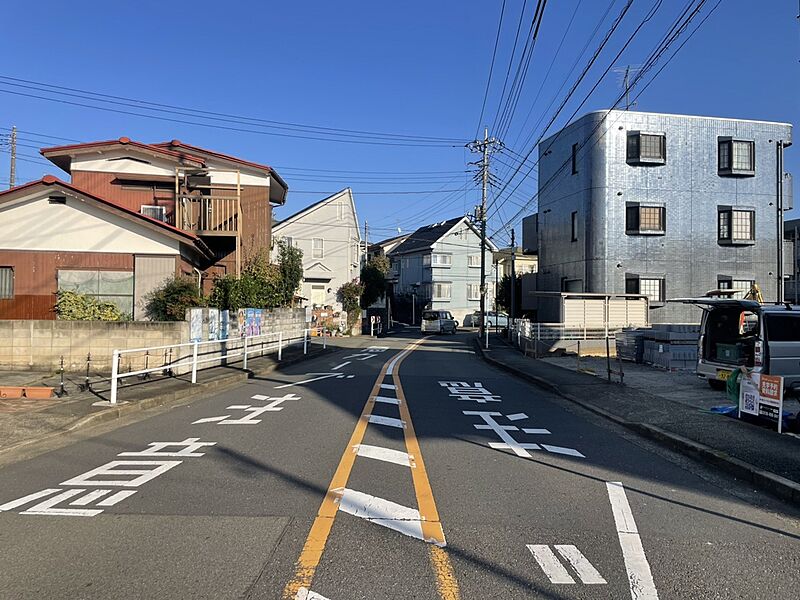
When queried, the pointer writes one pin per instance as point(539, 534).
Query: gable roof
point(149, 222)
point(278, 225)
point(62, 156)
point(427, 235)
point(397, 239)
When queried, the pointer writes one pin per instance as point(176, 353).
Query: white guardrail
point(179, 359)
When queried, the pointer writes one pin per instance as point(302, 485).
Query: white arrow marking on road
point(387, 400)
point(306, 594)
point(639, 576)
point(381, 512)
point(550, 564)
point(388, 421)
point(581, 564)
point(384, 454)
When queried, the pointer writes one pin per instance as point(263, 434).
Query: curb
point(783, 488)
point(190, 392)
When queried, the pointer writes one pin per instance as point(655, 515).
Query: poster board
point(195, 324)
point(762, 396)
point(213, 324)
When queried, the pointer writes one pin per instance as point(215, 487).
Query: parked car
point(492, 318)
point(438, 321)
point(733, 333)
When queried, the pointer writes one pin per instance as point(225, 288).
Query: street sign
point(762, 396)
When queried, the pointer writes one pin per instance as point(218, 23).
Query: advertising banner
point(762, 396)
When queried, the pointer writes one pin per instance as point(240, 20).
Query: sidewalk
point(758, 455)
point(24, 422)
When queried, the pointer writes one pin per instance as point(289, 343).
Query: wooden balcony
point(209, 215)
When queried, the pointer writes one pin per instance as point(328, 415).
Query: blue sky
point(409, 68)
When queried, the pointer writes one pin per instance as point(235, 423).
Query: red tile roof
point(123, 141)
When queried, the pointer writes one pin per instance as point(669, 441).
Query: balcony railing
point(209, 215)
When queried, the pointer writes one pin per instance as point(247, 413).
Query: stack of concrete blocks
point(630, 344)
point(672, 346)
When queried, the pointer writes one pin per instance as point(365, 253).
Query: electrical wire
point(491, 68)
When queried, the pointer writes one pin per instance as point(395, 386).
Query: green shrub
point(72, 306)
point(170, 301)
point(349, 294)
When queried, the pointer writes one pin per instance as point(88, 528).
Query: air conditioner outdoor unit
point(154, 212)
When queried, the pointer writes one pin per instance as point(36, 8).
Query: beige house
point(523, 263)
point(327, 233)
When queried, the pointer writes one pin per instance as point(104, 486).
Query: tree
point(349, 294)
point(170, 301)
point(290, 264)
point(503, 298)
point(373, 279)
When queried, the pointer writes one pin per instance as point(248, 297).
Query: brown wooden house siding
point(35, 278)
point(111, 187)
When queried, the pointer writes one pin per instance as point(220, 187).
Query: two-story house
point(657, 204)
point(132, 215)
point(438, 266)
point(327, 233)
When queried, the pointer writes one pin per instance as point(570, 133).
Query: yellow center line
point(317, 538)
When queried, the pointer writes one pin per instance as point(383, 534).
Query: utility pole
point(779, 202)
point(13, 174)
point(513, 277)
point(485, 147)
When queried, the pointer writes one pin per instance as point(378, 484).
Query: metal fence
point(180, 359)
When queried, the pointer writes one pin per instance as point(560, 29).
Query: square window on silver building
point(646, 148)
point(736, 157)
point(736, 226)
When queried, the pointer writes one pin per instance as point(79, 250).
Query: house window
point(318, 295)
point(473, 291)
point(645, 219)
point(736, 226)
point(574, 222)
point(736, 157)
point(742, 286)
point(106, 286)
point(288, 240)
point(646, 148)
point(6, 282)
point(441, 291)
point(474, 260)
point(441, 260)
point(652, 287)
point(426, 260)
point(574, 159)
point(317, 248)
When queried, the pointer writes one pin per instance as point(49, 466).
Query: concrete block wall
point(40, 344)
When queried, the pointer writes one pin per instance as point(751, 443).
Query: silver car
point(733, 333)
point(438, 321)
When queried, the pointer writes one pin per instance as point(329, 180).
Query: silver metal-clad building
point(658, 204)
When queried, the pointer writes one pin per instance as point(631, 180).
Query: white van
point(438, 321)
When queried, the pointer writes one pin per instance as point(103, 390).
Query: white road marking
point(581, 564)
point(189, 448)
point(245, 406)
point(562, 450)
point(90, 497)
point(517, 417)
point(153, 470)
point(47, 507)
point(550, 564)
point(639, 576)
point(210, 420)
point(501, 431)
point(535, 431)
point(390, 368)
point(115, 498)
point(337, 367)
point(388, 386)
point(504, 446)
point(306, 594)
point(381, 512)
point(388, 421)
point(387, 400)
point(384, 454)
point(321, 376)
point(25, 499)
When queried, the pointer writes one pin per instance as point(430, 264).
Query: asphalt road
point(334, 493)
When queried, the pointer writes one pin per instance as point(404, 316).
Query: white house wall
point(341, 245)
point(77, 226)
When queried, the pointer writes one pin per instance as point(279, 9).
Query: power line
point(267, 126)
point(491, 68)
